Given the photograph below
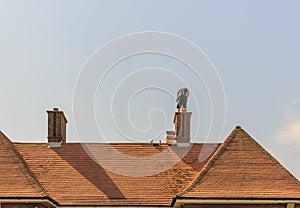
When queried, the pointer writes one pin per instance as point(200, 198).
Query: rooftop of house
point(237, 168)
point(141, 174)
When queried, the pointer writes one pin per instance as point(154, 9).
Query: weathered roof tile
point(241, 168)
point(72, 177)
point(16, 179)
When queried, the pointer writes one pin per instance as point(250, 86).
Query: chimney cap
point(55, 109)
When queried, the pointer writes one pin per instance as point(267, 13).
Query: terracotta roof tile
point(241, 168)
point(71, 177)
point(16, 179)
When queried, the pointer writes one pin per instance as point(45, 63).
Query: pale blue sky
point(254, 46)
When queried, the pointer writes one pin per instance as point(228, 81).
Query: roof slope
point(71, 177)
point(16, 179)
point(241, 168)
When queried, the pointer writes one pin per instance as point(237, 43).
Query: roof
point(84, 174)
point(16, 179)
point(241, 168)
point(71, 177)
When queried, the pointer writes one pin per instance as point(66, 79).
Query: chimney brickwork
point(56, 126)
point(182, 127)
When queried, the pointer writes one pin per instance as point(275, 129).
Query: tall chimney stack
point(182, 118)
point(182, 128)
point(56, 127)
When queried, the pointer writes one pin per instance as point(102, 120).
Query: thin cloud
point(285, 144)
point(290, 133)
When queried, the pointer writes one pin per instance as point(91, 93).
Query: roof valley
point(209, 164)
point(242, 167)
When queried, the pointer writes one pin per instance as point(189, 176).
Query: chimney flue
point(56, 127)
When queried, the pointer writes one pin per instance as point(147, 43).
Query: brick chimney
point(182, 128)
point(56, 128)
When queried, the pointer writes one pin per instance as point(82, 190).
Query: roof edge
point(24, 164)
point(238, 201)
point(44, 200)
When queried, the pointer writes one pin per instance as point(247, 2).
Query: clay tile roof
point(16, 179)
point(241, 168)
point(71, 177)
point(73, 174)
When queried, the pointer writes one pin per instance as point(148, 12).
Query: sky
point(251, 47)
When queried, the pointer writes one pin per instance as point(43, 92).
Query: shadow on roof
point(96, 174)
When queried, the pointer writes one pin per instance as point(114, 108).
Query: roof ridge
point(239, 135)
point(10, 147)
point(238, 131)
